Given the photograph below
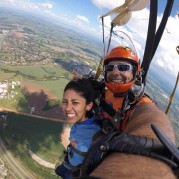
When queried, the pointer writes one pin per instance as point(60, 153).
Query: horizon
point(84, 17)
point(158, 70)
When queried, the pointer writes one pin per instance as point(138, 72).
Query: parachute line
point(150, 37)
point(154, 39)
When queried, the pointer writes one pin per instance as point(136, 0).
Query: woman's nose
point(68, 107)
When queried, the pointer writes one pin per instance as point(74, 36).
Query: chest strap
point(70, 147)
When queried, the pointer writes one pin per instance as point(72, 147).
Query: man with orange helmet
point(133, 113)
point(121, 66)
point(125, 91)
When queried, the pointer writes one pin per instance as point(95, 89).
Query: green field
point(36, 72)
point(41, 136)
point(48, 76)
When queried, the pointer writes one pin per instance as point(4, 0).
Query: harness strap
point(126, 118)
point(109, 109)
point(119, 117)
point(125, 143)
point(77, 151)
point(75, 169)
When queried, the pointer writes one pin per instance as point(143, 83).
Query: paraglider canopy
point(122, 18)
point(124, 12)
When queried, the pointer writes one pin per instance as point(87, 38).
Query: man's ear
point(89, 106)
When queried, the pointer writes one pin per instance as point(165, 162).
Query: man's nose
point(116, 70)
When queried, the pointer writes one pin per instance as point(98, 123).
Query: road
point(18, 170)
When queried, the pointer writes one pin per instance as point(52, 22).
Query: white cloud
point(11, 1)
point(46, 5)
point(166, 53)
point(107, 4)
point(83, 18)
point(48, 12)
point(45, 8)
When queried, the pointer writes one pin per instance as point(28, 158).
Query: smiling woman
point(78, 101)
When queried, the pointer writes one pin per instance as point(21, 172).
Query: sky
point(85, 15)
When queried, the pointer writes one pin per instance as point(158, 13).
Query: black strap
point(108, 108)
point(152, 38)
point(119, 115)
point(109, 42)
point(109, 125)
point(125, 143)
point(102, 19)
point(77, 151)
point(162, 25)
point(166, 142)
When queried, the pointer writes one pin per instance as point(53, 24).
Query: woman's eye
point(64, 102)
point(75, 103)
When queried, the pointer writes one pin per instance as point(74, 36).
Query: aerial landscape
point(37, 59)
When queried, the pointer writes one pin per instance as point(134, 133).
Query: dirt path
point(65, 141)
point(41, 161)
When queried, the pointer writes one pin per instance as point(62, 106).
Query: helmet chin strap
point(135, 92)
point(119, 95)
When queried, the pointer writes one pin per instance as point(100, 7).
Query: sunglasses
point(120, 67)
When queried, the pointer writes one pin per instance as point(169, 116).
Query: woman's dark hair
point(85, 89)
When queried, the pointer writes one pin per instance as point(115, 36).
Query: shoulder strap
point(120, 115)
point(108, 108)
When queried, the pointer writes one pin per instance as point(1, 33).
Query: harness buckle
point(117, 118)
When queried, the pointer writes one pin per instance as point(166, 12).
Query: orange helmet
point(123, 54)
